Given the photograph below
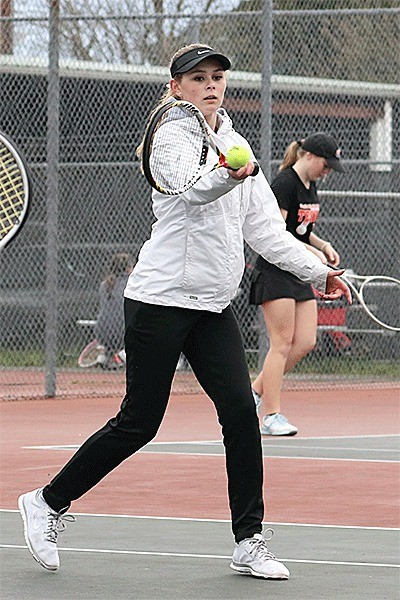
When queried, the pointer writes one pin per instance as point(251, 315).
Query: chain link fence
point(77, 83)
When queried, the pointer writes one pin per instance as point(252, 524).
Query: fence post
point(52, 200)
point(266, 87)
point(265, 139)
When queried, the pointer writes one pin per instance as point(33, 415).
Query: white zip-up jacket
point(195, 255)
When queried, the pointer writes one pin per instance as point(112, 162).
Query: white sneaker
point(41, 528)
point(183, 364)
point(122, 355)
point(102, 358)
point(252, 557)
point(277, 424)
point(257, 399)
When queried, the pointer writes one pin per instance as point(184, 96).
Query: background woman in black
point(288, 304)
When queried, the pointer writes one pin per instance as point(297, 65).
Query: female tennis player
point(288, 304)
point(178, 300)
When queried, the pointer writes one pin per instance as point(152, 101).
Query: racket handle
point(222, 163)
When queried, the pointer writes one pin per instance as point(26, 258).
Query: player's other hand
point(331, 254)
point(243, 172)
point(336, 287)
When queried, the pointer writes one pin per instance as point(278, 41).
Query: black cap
point(322, 144)
point(193, 57)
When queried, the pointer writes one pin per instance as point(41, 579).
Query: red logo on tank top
point(307, 213)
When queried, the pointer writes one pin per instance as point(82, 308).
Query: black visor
point(186, 62)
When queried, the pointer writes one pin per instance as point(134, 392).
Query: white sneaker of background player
point(277, 424)
point(102, 356)
point(122, 355)
point(257, 400)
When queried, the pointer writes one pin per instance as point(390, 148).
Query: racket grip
point(222, 163)
point(256, 169)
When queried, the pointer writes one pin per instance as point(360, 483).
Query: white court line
point(332, 448)
point(219, 442)
point(176, 443)
point(198, 520)
point(265, 445)
point(272, 457)
point(302, 447)
point(208, 454)
point(219, 455)
point(331, 437)
point(207, 556)
point(55, 447)
point(348, 437)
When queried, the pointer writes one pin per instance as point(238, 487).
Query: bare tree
point(129, 31)
point(6, 28)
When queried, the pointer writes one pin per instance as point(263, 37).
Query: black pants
point(155, 336)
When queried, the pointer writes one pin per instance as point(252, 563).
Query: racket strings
point(12, 192)
point(382, 299)
point(174, 163)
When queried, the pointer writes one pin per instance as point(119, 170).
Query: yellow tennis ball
point(237, 157)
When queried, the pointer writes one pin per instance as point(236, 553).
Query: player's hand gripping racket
point(15, 190)
point(175, 148)
point(379, 296)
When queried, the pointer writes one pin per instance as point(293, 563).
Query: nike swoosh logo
point(36, 522)
point(202, 51)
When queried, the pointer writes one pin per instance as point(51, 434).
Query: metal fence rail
point(76, 86)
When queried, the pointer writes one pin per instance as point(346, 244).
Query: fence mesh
point(76, 89)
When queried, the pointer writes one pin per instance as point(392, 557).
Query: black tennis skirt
point(272, 283)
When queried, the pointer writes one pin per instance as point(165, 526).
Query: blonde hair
point(169, 93)
point(292, 154)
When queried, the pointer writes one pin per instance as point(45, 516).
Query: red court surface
point(338, 491)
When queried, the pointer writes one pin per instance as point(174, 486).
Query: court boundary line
point(204, 556)
point(220, 441)
point(219, 444)
point(70, 447)
point(344, 437)
point(202, 520)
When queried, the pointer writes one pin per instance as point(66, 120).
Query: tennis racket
point(379, 296)
point(93, 354)
point(15, 190)
point(175, 148)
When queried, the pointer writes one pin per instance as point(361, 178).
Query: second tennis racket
point(15, 190)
